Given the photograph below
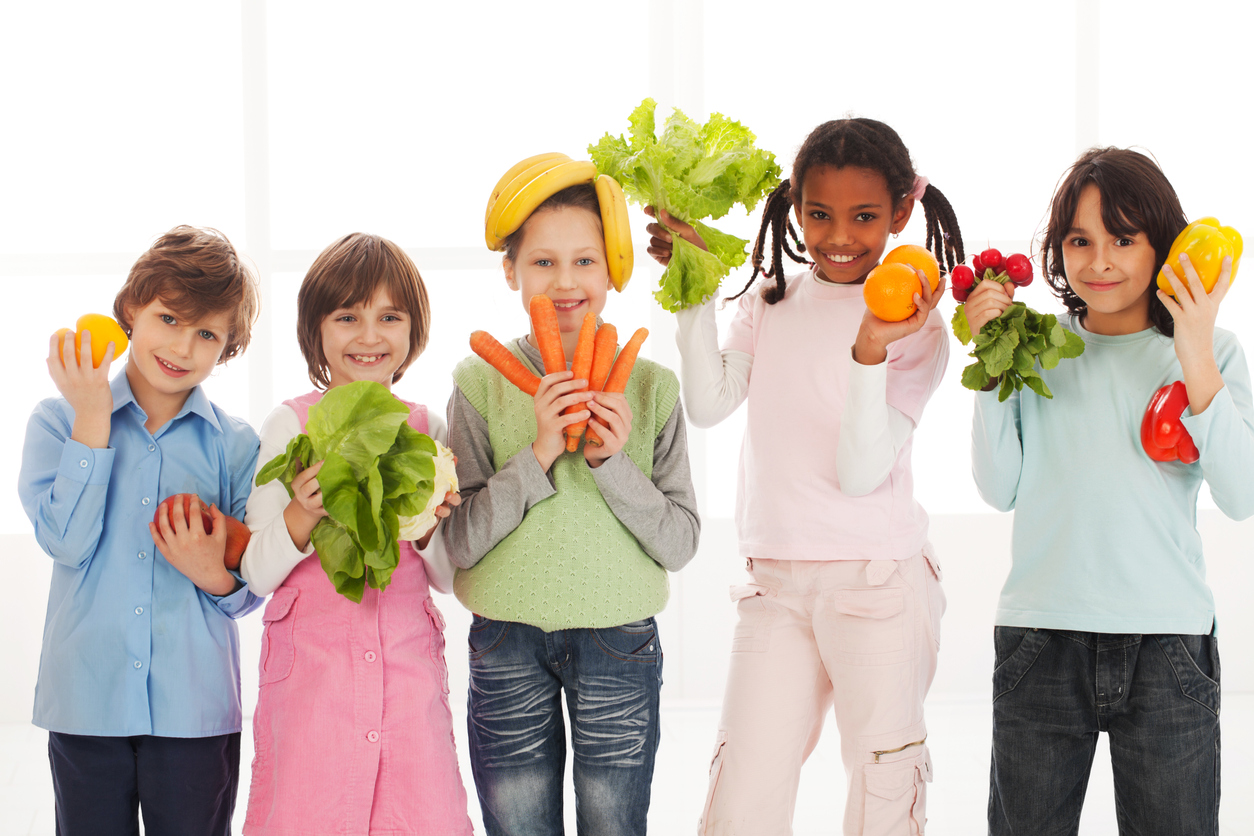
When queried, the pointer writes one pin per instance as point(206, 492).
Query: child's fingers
point(573, 399)
point(1224, 283)
point(1177, 285)
point(195, 522)
point(1170, 303)
point(452, 498)
point(685, 231)
point(84, 360)
point(658, 232)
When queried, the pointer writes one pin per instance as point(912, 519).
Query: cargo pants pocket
point(896, 796)
point(716, 767)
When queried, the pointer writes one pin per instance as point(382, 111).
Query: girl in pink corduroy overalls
point(353, 732)
point(843, 605)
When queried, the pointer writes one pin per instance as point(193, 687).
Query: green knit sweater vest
point(570, 563)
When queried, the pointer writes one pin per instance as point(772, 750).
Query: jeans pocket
point(486, 635)
point(716, 768)
point(634, 642)
point(278, 650)
point(1195, 661)
point(896, 795)
point(1017, 649)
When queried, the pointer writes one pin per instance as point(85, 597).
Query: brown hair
point(858, 143)
point(348, 273)
point(196, 273)
point(1136, 197)
point(581, 196)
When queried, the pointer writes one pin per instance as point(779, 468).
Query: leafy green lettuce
point(692, 171)
point(376, 469)
point(1010, 347)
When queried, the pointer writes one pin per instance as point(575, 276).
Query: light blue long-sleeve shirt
point(1105, 539)
point(130, 645)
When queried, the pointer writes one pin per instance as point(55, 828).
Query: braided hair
point(860, 143)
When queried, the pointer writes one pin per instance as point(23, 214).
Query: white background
point(288, 124)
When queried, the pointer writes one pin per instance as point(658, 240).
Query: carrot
point(621, 373)
point(603, 348)
point(581, 365)
point(548, 337)
point(500, 358)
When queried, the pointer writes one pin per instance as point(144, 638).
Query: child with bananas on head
point(563, 555)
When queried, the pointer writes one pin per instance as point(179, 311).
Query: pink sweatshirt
point(789, 505)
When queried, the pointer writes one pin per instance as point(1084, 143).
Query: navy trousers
point(184, 786)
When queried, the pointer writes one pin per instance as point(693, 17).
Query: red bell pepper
point(1162, 432)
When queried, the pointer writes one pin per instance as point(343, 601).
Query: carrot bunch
point(594, 359)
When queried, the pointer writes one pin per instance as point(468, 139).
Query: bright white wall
point(288, 124)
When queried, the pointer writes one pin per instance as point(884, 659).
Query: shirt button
point(370, 657)
point(139, 610)
point(373, 736)
point(145, 500)
point(142, 555)
point(152, 447)
point(138, 664)
point(83, 463)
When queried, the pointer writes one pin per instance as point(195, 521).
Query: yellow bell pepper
point(1207, 244)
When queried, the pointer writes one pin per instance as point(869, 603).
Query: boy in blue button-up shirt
point(139, 673)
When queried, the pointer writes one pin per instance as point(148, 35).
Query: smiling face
point(846, 215)
point(562, 255)
point(366, 341)
point(1111, 273)
point(169, 356)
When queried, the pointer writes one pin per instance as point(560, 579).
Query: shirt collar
point(197, 401)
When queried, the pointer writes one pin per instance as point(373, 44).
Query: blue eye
point(543, 262)
point(208, 335)
point(584, 262)
point(167, 319)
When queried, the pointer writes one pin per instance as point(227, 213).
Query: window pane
point(397, 118)
point(129, 123)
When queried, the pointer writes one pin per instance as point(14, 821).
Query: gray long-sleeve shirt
point(660, 512)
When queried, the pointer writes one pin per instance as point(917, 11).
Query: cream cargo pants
point(859, 637)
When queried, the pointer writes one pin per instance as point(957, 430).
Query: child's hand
point(557, 391)
point(189, 549)
point(611, 418)
point(988, 301)
point(870, 348)
point(441, 511)
point(84, 388)
point(660, 242)
point(305, 508)
point(1194, 311)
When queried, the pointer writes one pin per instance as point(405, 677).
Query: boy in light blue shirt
point(139, 673)
point(1106, 623)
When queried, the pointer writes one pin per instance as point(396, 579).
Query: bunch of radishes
point(1015, 268)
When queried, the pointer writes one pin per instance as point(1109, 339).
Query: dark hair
point(857, 143)
point(581, 196)
point(1136, 197)
point(348, 273)
point(196, 273)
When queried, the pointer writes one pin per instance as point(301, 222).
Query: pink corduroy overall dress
point(353, 731)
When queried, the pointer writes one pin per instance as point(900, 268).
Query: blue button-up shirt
point(130, 645)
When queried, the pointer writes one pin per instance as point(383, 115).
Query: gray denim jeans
point(1156, 696)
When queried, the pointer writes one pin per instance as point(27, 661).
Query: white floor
point(959, 740)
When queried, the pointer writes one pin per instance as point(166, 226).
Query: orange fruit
point(919, 257)
point(889, 291)
point(104, 330)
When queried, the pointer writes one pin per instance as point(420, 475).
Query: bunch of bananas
point(534, 180)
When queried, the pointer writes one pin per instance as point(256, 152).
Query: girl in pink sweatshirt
point(842, 608)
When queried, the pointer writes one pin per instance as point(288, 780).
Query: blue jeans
point(612, 678)
point(1157, 697)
